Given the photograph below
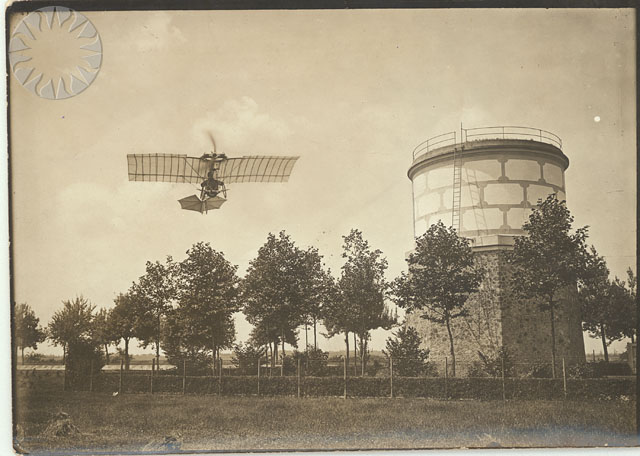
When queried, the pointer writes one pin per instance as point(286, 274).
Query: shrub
point(584, 370)
point(82, 356)
point(245, 358)
point(368, 387)
point(322, 386)
point(538, 370)
point(614, 368)
point(313, 362)
point(456, 388)
point(409, 360)
point(599, 369)
point(33, 358)
point(492, 364)
point(289, 365)
point(418, 387)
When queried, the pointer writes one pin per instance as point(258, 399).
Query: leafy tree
point(603, 302)
point(409, 360)
point(100, 331)
point(207, 287)
point(359, 305)
point(28, 333)
point(549, 259)
point(442, 275)
point(317, 291)
point(154, 292)
point(338, 319)
point(72, 323)
point(181, 346)
point(630, 320)
point(274, 291)
point(122, 322)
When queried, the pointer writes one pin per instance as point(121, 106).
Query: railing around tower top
point(487, 133)
point(434, 142)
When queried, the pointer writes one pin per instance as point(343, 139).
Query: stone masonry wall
point(527, 329)
point(496, 318)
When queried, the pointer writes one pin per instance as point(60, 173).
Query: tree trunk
point(283, 345)
point(64, 354)
point(213, 355)
point(22, 354)
point(157, 352)
point(106, 352)
point(126, 353)
point(315, 342)
point(346, 341)
point(603, 335)
point(453, 354)
point(633, 340)
point(275, 352)
point(355, 355)
point(363, 354)
point(158, 342)
point(553, 338)
point(306, 336)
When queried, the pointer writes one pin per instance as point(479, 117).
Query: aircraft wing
point(256, 168)
point(167, 168)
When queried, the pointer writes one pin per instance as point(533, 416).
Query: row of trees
point(186, 308)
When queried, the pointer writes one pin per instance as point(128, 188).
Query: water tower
point(484, 182)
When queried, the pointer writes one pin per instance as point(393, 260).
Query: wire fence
point(380, 377)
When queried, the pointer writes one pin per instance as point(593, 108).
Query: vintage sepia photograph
point(240, 230)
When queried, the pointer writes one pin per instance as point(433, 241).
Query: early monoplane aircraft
point(212, 171)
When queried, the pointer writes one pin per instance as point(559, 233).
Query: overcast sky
point(351, 92)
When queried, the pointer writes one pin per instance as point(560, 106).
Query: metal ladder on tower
point(457, 190)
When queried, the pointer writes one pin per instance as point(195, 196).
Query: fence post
point(282, 367)
point(153, 365)
point(64, 378)
point(391, 376)
point(184, 376)
point(121, 369)
point(564, 379)
point(298, 374)
point(446, 375)
point(504, 396)
point(220, 377)
point(258, 376)
point(344, 362)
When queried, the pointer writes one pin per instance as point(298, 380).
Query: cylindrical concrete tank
point(502, 172)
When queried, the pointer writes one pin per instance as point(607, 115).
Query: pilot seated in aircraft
point(211, 185)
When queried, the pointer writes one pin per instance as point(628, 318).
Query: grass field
point(142, 422)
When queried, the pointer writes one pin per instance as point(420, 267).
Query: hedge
point(456, 388)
